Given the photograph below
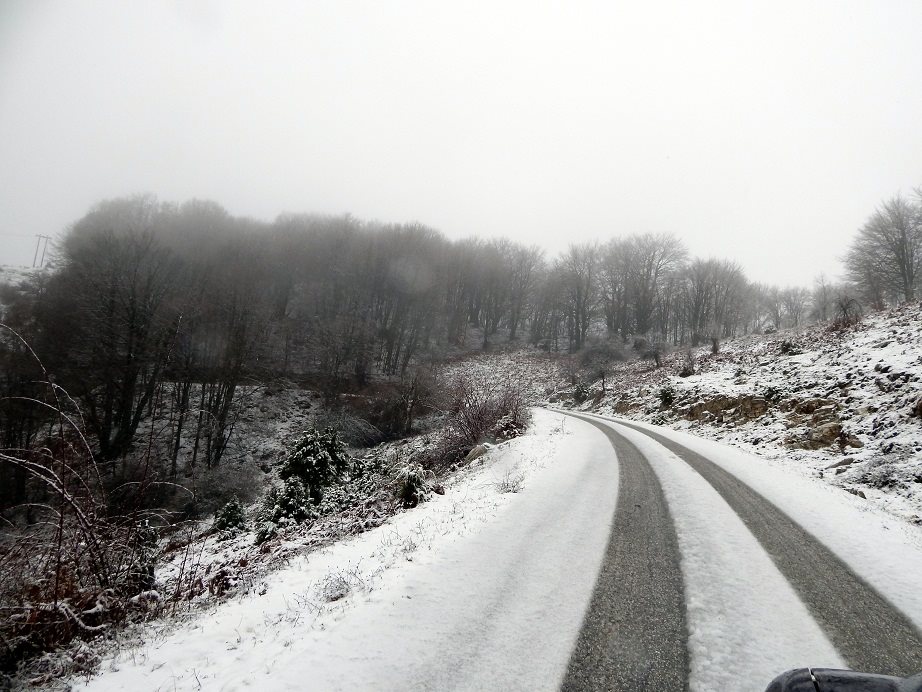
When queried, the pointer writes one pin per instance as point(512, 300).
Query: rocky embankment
point(841, 404)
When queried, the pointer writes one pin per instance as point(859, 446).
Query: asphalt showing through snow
point(634, 636)
point(869, 631)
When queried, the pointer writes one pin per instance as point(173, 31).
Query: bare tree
point(119, 298)
point(885, 259)
point(822, 299)
point(527, 263)
point(654, 257)
point(614, 281)
point(795, 301)
point(579, 267)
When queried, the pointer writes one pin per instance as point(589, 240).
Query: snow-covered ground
point(829, 404)
point(484, 588)
point(884, 551)
point(15, 276)
point(481, 588)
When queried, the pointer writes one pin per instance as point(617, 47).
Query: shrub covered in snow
point(282, 507)
point(317, 460)
point(688, 365)
point(229, 519)
point(473, 413)
point(666, 396)
point(511, 425)
point(413, 485)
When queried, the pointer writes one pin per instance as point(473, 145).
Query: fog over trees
point(885, 259)
point(128, 363)
point(145, 293)
point(155, 314)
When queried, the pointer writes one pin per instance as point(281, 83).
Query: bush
point(318, 459)
point(688, 366)
point(509, 426)
point(667, 396)
point(413, 485)
point(790, 348)
point(596, 359)
point(580, 393)
point(283, 507)
point(882, 475)
point(352, 428)
point(230, 519)
point(472, 414)
point(654, 353)
point(511, 482)
point(847, 313)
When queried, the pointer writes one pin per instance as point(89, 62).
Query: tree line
point(884, 261)
point(157, 316)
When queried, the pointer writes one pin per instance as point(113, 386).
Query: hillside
point(844, 405)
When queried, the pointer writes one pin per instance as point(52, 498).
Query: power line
point(38, 242)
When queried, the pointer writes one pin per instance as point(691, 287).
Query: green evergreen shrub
point(318, 459)
point(230, 519)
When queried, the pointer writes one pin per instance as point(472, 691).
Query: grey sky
point(764, 132)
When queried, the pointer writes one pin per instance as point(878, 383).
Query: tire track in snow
point(869, 632)
point(739, 607)
point(634, 635)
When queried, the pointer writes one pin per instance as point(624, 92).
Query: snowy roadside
point(365, 611)
point(882, 549)
point(831, 405)
point(879, 547)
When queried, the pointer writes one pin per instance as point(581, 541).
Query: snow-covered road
point(488, 590)
point(477, 589)
point(781, 572)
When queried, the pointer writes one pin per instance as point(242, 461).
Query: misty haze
point(469, 346)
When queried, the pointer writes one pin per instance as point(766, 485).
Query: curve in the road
point(868, 631)
point(634, 636)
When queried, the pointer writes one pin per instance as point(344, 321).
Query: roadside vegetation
point(180, 375)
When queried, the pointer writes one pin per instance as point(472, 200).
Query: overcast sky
point(765, 132)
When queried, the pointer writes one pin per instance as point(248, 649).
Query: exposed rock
point(476, 453)
point(825, 434)
point(753, 406)
point(809, 406)
point(623, 406)
point(792, 420)
point(847, 440)
point(825, 414)
point(817, 437)
point(711, 406)
point(859, 493)
point(847, 461)
point(917, 408)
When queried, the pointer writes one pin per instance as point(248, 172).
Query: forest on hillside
point(145, 294)
point(128, 363)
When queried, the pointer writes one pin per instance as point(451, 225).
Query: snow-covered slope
point(837, 405)
point(457, 593)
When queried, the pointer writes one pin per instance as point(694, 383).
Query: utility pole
point(38, 243)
